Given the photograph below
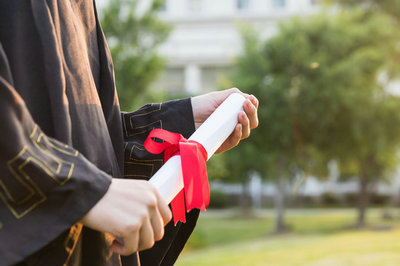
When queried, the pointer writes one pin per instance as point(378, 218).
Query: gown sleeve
point(45, 186)
point(175, 116)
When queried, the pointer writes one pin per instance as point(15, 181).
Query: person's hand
point(204, 105)
point(133, 212)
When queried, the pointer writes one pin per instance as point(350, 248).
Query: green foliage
point(391, 7)
point(321, 82)
point(217, 167)
point(320, 99)
point(240, 161)
point(133, 37)
point(219, 200)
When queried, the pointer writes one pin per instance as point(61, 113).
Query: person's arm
point(46, 187)
point(180, 116)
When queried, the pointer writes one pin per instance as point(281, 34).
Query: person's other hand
point(204, 105)
point(133, 212)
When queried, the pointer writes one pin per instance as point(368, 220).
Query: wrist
point(197, 105)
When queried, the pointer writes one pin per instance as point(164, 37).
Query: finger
point(233, 140)
point(126, 246)
point(251, 112)
point(237, 135)
point(244, 120)
point(163, 209)
point(158, 224)
point(254, 101)
point(146, 235)
point(117, 247)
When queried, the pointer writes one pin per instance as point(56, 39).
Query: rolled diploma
point(211, 134)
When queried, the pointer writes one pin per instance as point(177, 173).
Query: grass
point(317, 237)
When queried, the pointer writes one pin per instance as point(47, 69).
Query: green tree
point(239, 165)
point(133, 36)
point(321, 98)
point(358, 123)
point(272, 146)
point(390, 7)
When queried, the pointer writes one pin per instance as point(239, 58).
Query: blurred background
point(318, 182)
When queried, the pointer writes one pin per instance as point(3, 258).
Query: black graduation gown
point(62, 137)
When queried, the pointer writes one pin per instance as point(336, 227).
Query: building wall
point(206, 37)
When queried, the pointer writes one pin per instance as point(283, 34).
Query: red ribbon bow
point(196, 191)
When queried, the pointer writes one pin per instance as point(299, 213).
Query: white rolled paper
point(211, 134)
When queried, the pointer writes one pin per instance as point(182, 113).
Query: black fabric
point(49, 100)
point(62, 135)
point(166, 251)
point(175, 116)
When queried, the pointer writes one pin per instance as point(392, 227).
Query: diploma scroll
point(211, 134)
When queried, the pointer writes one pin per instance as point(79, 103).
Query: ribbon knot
point(196, 191)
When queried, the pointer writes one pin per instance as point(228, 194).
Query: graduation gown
point(63, 137)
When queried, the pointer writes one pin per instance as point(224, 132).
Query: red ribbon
point(196, 191)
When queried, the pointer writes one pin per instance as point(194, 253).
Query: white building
point(206, 37)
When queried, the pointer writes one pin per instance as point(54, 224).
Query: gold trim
point(131, 116)
point(38, 157)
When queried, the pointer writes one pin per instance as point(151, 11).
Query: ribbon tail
point(178, 208)
point(197, 191)
point(205, 187)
